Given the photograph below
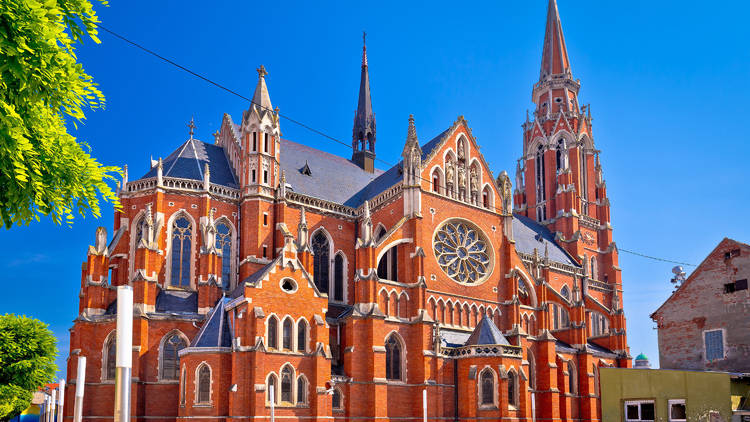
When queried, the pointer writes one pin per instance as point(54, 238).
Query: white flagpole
point(61, 400)
point(45, 408)
point(273, 400)
point(124, 355)
point(424, 404)
point(80, 382)
point(52, 405)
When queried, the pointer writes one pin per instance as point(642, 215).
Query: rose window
point(462, 252)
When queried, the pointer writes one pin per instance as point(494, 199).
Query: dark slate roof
point(450, 338)
point(333, 178)
point(176, 301)
point(561, 346)
point(168, 302)
point(189, 160)
point(530, 235)
point(486, 332)
point(432, 144)
point(337, 311)
point(216, 332)
point(601, 351)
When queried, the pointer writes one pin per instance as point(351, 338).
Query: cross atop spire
point(555, 54)
point(191, 125)
point(261, 98)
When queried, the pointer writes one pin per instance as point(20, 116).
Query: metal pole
point(45, 409)
point(273, 399)
point(424, 404)
point(52, 405)
point(124, 355)
point(61, 400)
point(80, 382)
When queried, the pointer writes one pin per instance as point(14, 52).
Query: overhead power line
point(303, 125)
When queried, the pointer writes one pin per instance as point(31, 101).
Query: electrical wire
point(310, 128)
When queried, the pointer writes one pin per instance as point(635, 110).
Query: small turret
point(363, 132)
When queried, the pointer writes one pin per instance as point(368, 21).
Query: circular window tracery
point(463, 252)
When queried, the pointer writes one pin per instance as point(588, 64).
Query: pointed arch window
point(224, 243)
point(532, 369)
point(182, 235)
point(388, 265)
point(139, 227)
point(271, 389)
point(337, 401)
point(273, 327)
point(571, 377)
point(512, 389)
point(584, 181)
point(487, 388)
point(287, 334)
point(301, 390)
point(302, 336)
point(565, 292)
point(204, 385)
point(393, 358)
point(287, 375)
point(170, 360)
point(321, 260)
point(540, 179)
point(338, 278)
point(559, 154)
point(380, 233)
point(109, 357)
point(435, 182)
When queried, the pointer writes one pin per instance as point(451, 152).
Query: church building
point(271, 274)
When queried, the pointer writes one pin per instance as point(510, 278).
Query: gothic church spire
point(363, 132)
point(555, 60)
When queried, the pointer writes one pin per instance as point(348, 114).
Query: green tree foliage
point(27, 361)
point(45, 171)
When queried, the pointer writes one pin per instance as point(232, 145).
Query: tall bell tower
point(559, 179)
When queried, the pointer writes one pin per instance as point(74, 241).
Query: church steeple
point(363, 133)
point(556, 90)
point(555, 60)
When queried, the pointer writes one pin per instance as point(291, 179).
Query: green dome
point(641, 357)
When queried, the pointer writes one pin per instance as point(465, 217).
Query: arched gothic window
point(271, 389)
point(321, 260)
point(286, 384)
point(302, 336)
point(487, 385)
point(393, 359)
point(541, 190)
point(486, 198)
point(224, 243)
point(204, 385)
point(380, 233)
point(436, 181)
point(337, 401)
point(560, 317)
point(182, 234)
point(571, 377)
point(287, 334)
point(565, 292)
point(109, 357)
point(388, 265)
point(512, 388)
point(584, 181)
point(139, 230)
point(561, 147)
point(301, 390)
point(273, 332)
point(170, 361)
point(338, 278)
point(599, 324)
point(532, 369)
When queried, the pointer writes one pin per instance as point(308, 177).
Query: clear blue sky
point(667, 82)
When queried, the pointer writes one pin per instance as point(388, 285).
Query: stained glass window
point(321, 261)
point(462, 252)
point(170, 360)
point(393, 358)
point(182, 232)
point(224, 243)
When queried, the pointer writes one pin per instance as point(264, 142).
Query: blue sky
point(666, 81)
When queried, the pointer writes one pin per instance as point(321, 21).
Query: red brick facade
point(229, 270)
